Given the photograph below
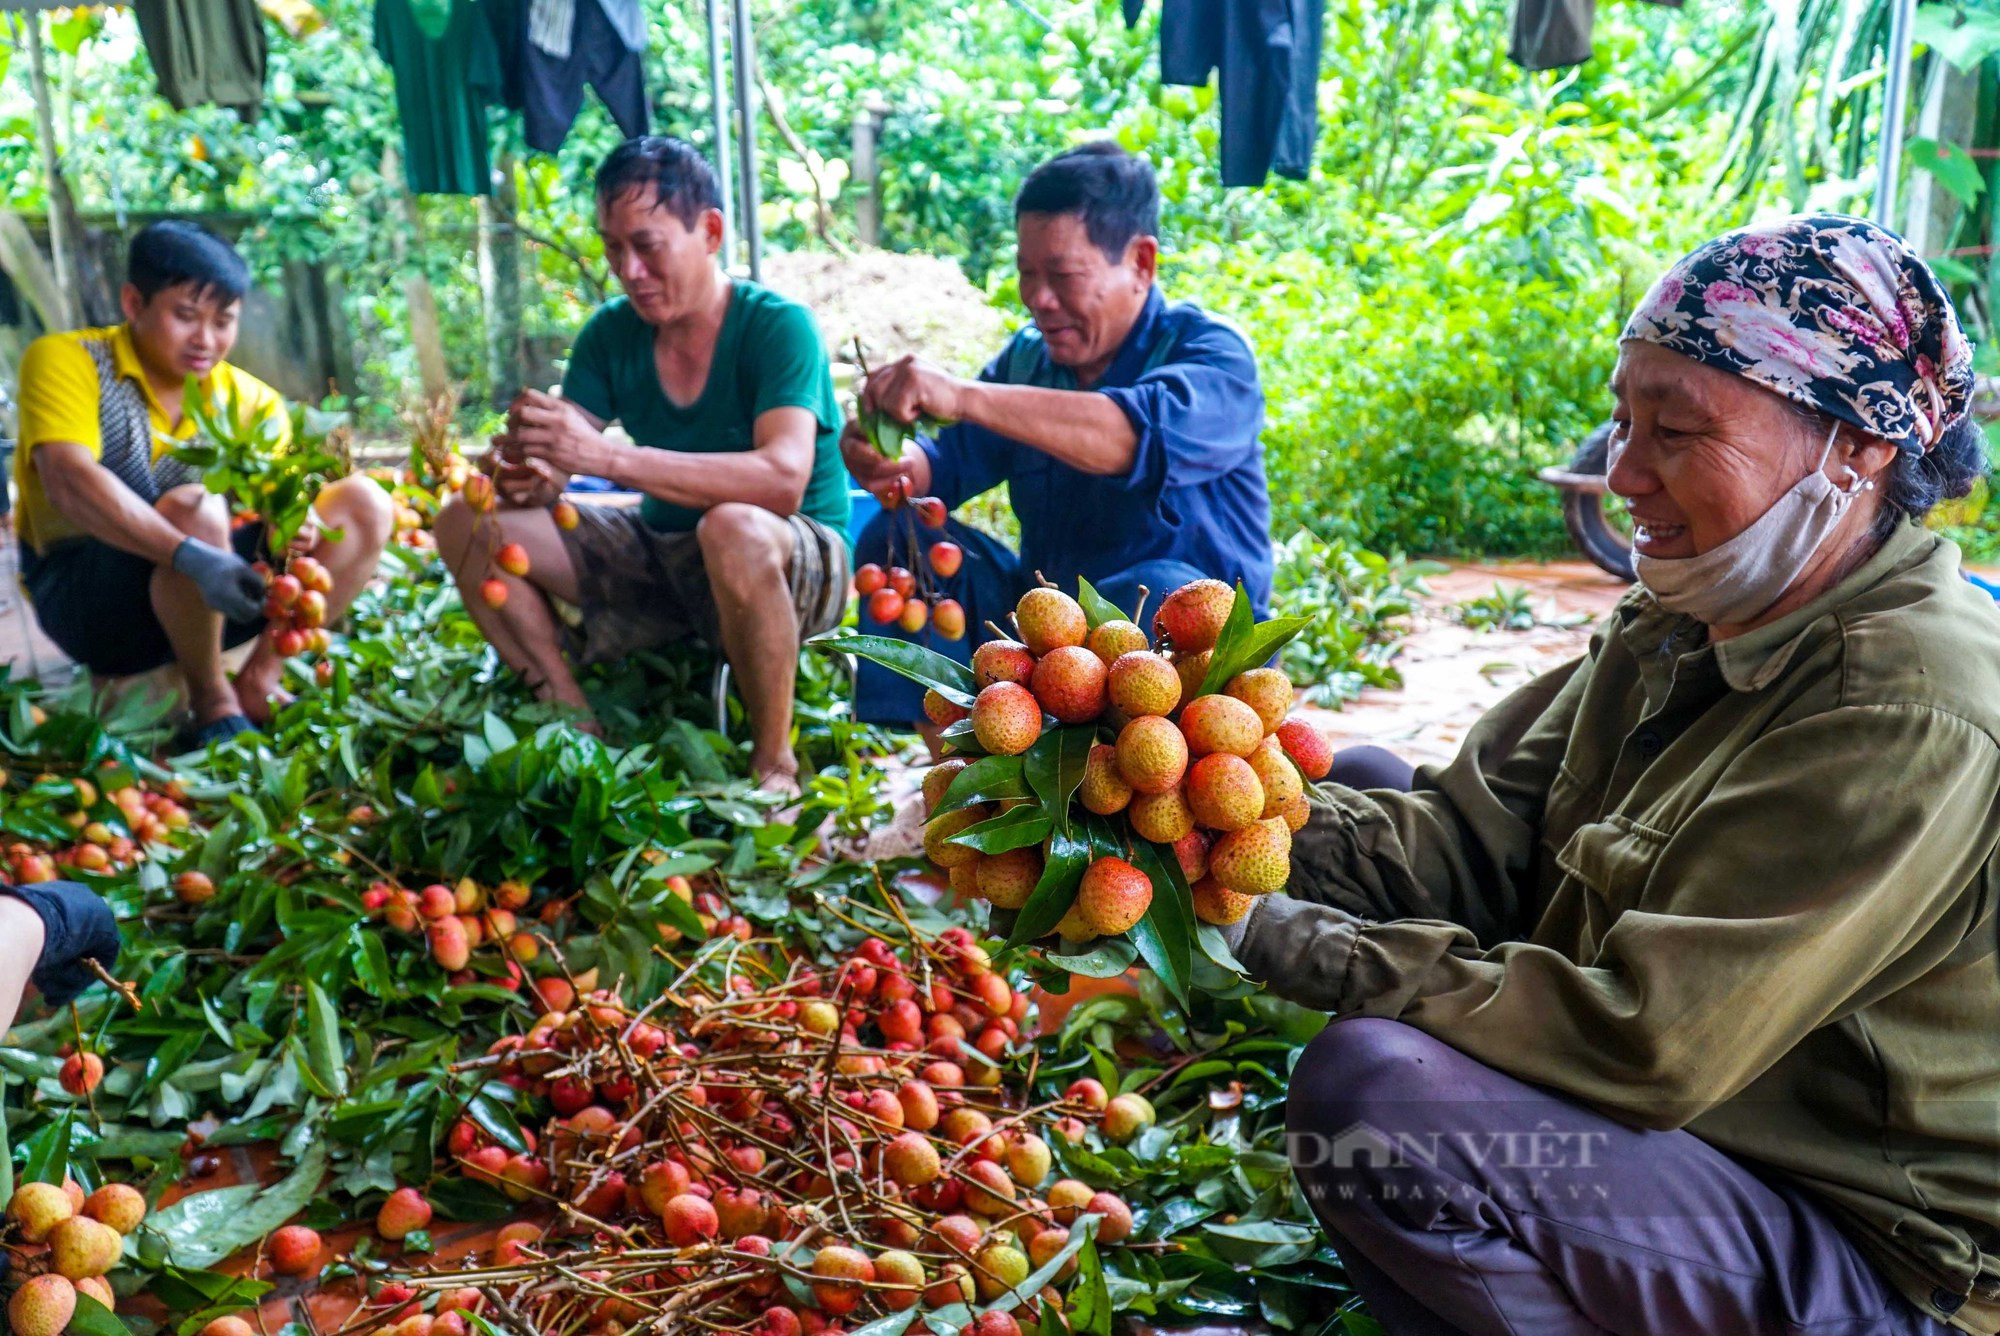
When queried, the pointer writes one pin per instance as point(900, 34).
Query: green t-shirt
point(767, 356)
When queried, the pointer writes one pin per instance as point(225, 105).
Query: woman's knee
point(1367, 767)
point(1358, 1066)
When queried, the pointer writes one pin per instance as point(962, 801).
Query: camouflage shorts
point(643, 589)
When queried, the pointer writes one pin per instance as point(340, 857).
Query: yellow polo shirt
point(59, 401)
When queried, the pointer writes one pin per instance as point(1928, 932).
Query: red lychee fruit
point(1307, 747)
point(493, 593)
point(1223, 791)
point(1008, 879)
point(1216, 903)
point(939, 830)
point(944, 713)
point(119, 1205)
point(1191, 618)
point(1255, 860)
point(1191, 852)
point(1069, 682)
point(946, 558)
point(1152, 754)
point(1126, 1116)
point(1279, 777)
point(1103, 790)
point(1267, 691)
point(295, 1251)
point(905, 1274)
point(194, 888)
point(839, 1273)
point(402, 1214)
point(1069, 1199)
point(1221, 724)
point(911, 1160)
point(1089, 1092)
point(920, 1105)
point(1116, 1226)
point(1163, 818)
point(1113, 896)
point(1108, 640)
point(689, 1220)
point(1141, 683)
point(1002, 661)
point(42, 1306)
point(1049, 619)
point(1006, 719)
point(81, 1073)
point(512, 558)
point(949, 618)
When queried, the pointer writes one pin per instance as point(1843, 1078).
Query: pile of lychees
point(775, 1148)
point(1196, 754)
point(63, 1244)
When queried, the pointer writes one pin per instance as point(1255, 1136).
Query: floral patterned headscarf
point(1834, 313)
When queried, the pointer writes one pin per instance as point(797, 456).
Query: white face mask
point(1734, 581)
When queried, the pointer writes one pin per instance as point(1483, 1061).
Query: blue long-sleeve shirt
point(1188, 384)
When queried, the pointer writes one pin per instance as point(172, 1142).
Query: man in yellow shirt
point(130, 563)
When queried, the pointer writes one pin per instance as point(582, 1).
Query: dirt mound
point(895, 303)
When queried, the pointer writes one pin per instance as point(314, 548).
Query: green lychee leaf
point(961, 740)
point(948, 677)
point(1165, 937)
point(988, 779)
point(893, 1325)
point(1107, 958)
point(1015, 829)
point(1055, 892)
point(1246, 643)
point(1097, 609)
point(1054, 769)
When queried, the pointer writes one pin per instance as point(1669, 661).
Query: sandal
point(195, 737)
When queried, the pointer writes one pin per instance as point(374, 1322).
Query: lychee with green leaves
point(1002, 661)
point(939, 830)
point(1307, 747)
point(1163, 818)
point(1008, 879)
point(1108, 640)
point(1217, 904)
point(1283, 785)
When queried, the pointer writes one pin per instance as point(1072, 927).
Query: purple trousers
point(1466, 1202)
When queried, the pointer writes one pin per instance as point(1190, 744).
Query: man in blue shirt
point(1125, 427)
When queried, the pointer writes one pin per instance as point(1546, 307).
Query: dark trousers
point(1467, 1203)
point(988, 584)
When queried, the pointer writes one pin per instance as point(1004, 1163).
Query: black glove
point(226, 581)
point(76, 923)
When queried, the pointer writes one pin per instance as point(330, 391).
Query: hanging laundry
point(205, 51)
point(1267, 52)
point(1551, 34)
point(447, 69)
point(552, 49)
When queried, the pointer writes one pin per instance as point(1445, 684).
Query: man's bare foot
point(779, 780)
point(258, 691)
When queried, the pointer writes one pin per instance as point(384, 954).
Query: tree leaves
point(1097, 609)
point(1055, 892)
point(325, 1066)
point(1016, 829)
point(1054, 768)
point(1246, 643)
point(1165, 937)
point(988, 779)
point(948, 677)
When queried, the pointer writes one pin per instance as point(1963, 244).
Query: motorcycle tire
point(1592, 532)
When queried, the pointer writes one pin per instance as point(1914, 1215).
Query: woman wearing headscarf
point(1672, 1004)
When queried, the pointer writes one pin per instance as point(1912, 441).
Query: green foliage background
point(1435, 309)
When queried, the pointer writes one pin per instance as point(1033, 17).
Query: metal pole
point(745, 69)
point(1895, 94)
point(719, 107)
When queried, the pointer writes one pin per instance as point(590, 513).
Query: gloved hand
point(76, 923)
point(226, 581)
point(1233, 933)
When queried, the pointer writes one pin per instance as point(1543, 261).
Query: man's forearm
point(89, 496)
point(1083, 429)
point(698, 481)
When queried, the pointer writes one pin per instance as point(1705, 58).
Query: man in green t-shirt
point(722, 386)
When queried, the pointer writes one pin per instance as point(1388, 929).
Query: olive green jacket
point(1747, 889)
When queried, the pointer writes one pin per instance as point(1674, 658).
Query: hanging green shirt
point(1744, 888)
point(767, 355)
point(447, 72)
point(205, 51)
